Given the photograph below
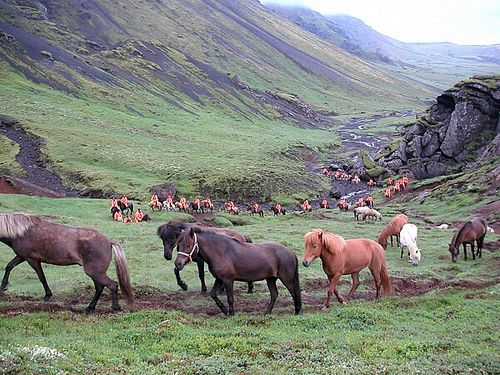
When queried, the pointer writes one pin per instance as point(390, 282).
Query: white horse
point(359, 211)
point(408, 238)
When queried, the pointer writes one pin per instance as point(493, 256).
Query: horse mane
point(165, 229)
point(15, 225)
point(334, 243)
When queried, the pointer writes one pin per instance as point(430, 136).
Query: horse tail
point(296, 288)
point(123, 274)
point(386, 282)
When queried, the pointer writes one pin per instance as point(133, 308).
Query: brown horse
point(470, 231)
point(343, 257)
point(229, 260)
point(169, 233)
point(36, 240)
point(393, 228)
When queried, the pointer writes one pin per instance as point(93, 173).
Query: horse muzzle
point(179, 266)
point(168, 256)
point(306, 262)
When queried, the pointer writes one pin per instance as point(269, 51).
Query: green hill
point(214, 96)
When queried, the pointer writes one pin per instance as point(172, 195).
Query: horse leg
point(333, 289)
point(250, 287)
point(472, 250)
point(465, 251)
point(391, 241)
point(14, 262)
point(98, 291)
point(201, 274)
point(101, 279)
point(213, 293)
point(271, 284)
point(229, 285)
point(377, 279)
point(480, 242)
point(36, 265)
point(401, 252)
point(181, 283)
point(355, 284)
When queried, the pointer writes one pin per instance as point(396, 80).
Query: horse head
point(453, 249)
point(187, 248)
point(169, 234)
point(313, 243)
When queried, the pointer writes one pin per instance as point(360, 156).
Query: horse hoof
point(116, 308)
point(47, 298)
point(184, 287)
point(89, 310)
point(324, 308)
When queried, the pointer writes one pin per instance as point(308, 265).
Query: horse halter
point(195, 247)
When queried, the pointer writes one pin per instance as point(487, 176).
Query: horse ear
point(191, 231)
point(320, 234)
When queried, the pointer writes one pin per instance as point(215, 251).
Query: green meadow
point(452, 328)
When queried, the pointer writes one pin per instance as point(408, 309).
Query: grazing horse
point(129, 207)
point(196, 206)
point(467, 233)
point(374, 214)
point(229, 260)
point(359, 211)
point(170, 232)
point(393, 228)
point(343, 205)
point(408, 238)
point(36, 240)
point(344, 257)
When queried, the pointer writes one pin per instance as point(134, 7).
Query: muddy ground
point(202, 305)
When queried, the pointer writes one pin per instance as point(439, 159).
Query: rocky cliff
point(454, 131)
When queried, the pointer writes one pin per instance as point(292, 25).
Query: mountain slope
point(428, 63)
point(129, 94)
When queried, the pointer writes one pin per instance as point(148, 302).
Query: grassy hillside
point(129, 95)
point(442, 316)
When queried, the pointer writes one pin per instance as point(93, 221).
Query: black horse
point(229, 260)
point(129, 208)
point(170, 232)
point(277, 211)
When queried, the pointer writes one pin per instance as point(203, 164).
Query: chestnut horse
point(169, 233)
point(467, 233)
point(393, 228)
point(229, 260)
point(36, 240)
point(344, 257)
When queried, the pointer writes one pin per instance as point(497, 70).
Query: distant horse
point(207, 205)
point(256, 210)
point(408, 238)
point(359, 211)
point(129, 208)
point(374, 214)
point(229, 260)
point(170, 232)
point(196, 207)
point(393, 228)
point(113, 211)
point(36, 240)
point(278, 210)
point(155, 205)
point(344, 257)
point(343, 206)
point(467, 233)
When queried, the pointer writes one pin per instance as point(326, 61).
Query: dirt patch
point(490, 213)
point(33, 162)
point(202, 305)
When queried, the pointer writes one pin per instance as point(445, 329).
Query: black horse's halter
point(195, 247)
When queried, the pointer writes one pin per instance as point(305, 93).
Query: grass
point(447, 330)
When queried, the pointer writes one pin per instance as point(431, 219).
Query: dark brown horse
point(129, 207)
point(36, 240)
point(229, 260)
point(467, 233)
point(169, 233)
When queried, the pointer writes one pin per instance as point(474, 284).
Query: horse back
point(360, 253)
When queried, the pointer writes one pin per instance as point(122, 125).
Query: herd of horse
point(229, 255)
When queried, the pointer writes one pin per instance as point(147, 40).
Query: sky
point(455, 21)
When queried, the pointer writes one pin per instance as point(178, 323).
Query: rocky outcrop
point(451, 133)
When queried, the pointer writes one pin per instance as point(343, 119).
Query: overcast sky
point(456, 21)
